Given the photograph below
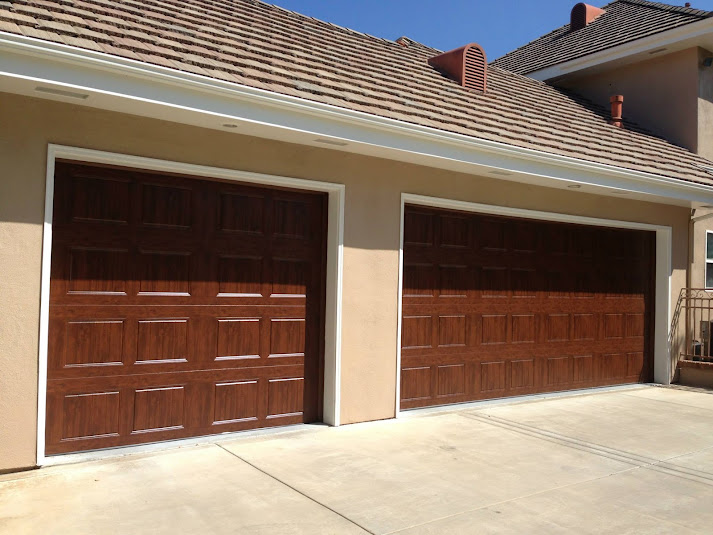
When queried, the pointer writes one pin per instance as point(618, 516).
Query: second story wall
point(705, 105)
point(661, 94)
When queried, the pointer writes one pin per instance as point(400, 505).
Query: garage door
point(180, 307)
point(496, 307)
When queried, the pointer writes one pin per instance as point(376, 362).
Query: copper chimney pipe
point(617, 109)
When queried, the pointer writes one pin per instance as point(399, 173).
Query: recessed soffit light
point(574, 186)
point(61, 92)
point(230, 125)
point(657, 51)
point(500, 172)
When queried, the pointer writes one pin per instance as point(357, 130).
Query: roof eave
point(698, 33)
point(134, 87)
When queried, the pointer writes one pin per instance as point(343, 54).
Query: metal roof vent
point(582, 15)
point(466, 65)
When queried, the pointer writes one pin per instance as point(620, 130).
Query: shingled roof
point(255, 44)
point(623, 22)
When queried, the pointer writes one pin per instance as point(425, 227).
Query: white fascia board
point(148, 90)
point(680, 38)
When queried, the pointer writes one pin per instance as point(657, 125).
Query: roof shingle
point(624, 21)
point(264, 46)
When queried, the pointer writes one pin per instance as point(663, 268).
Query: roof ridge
point(623, 21)
point(666, 7)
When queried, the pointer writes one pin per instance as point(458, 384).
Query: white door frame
point(335, 246)
point(662, 307)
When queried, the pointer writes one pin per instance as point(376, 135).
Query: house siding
point(371, 237)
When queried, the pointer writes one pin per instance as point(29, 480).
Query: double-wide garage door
point(180, 307)
point(496, 307)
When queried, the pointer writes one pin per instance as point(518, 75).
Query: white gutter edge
point(56, 52)
point(638, 46)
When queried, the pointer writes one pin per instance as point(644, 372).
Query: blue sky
point(498, 26)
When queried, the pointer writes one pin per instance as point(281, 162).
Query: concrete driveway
point(634, 460)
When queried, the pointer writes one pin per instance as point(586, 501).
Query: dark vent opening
point(475, 66)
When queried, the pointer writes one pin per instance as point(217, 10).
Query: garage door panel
point(528, 306)
point(82, 416)
point(195, 304)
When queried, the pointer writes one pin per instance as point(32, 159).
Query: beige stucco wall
point(705, 106)
point(660, 94)
point(371, 237)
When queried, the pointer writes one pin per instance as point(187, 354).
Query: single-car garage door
point(180, 307)
point(496, 307)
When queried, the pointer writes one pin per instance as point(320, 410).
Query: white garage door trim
point(662, 313)
point(335, 245)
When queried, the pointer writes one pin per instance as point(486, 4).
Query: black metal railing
point(694, 313)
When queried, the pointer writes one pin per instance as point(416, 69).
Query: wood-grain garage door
point(496, 307)
point(180, 307)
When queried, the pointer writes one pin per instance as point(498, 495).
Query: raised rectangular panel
point(616, 243)
point(494, 281)
point(613, 326)
point(241, 213)
point(416, 332)
point(523, 282)
point(453, 281)
point(635, 364)
point(557, 327)
point(238, 338)
point(584, 327)
point(239, 276)
point(162, 340)
point(166, 206)
point(557, 239)
point(559, 370)
point(100, 199)
point(582, 368)
point(524, 237)
point(451, 331)
point(584, 285)
point(164, 273)
point(492, 376)
point(454, 231)
point(284, 397)
point(291, 218)
point(451, 380)
point(558, 284)
point(418, 228)
point(90, 415)
point(156, 409)
point(491, 234)
point(523, 328)
point(235, 402)
point(582, 242)
point(418, 280)
point(615, 365)
point(98, 271)
point(614, 282)
point(289, 278)
point(494, 329)
point(287, 337)
point(634, 325)
point(522, 373)
point(93, 343)
point(415, 383)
